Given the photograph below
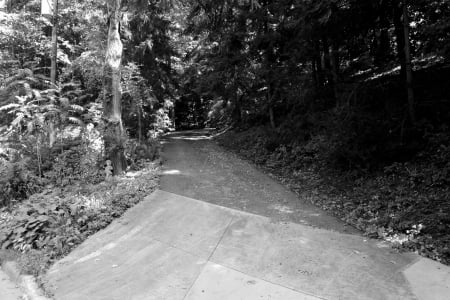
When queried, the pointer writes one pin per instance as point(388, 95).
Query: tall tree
point(114, 136)
point(53, 67)
point(408, 64)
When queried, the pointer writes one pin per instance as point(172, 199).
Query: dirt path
point(195, 167)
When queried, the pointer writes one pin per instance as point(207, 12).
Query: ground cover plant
point(47, 225)
point(404, 203)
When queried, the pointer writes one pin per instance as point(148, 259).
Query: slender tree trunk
point(334, 63)
point(319, 68)
point(327, 66)
point(314, 72)
point(139, 125)
point(269, 63)
point(270, 95)
point(272, 118)
point(54, 55)
point(400, 38)
point(114, 134)
point(237, 111)
point(53, 66)
point(326, 57)
point(381, 46)
point(408, 64)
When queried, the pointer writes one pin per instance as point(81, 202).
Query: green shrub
point(77, 164)
point(17, 181)
point(137, 153)
point(56, 221)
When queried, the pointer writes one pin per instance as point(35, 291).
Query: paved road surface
point(8, 290)
point(195, 167)
point(219, 229)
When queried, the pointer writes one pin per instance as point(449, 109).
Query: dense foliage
point(53, 222)
point(52, 131)
point(56, 175)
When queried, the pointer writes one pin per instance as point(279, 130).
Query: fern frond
point(9, 106)
point(77, 108)
point(18, 120)
point(76, 121)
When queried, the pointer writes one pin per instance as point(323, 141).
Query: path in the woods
point(196, 167)
point(220, 229)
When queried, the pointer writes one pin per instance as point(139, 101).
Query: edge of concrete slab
point(26, 283)
point(235, 211)
point(428, 279)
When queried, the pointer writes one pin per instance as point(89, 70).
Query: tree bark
point(139, 125)
point(381, 46)
point(237, 110)
point(334, 63)
point(114, 136)
point(400, 38)
point(53, 66)
point(408, 64)
point(54, 55)
point(319, 68)
point(272, 117)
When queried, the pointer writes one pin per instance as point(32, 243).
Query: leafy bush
point(137, 152)
point(77, 164)
point(56, 221)
point(17, 181)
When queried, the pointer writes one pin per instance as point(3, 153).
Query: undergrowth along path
point(406, 209)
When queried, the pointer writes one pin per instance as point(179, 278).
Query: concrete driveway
point(219, 229)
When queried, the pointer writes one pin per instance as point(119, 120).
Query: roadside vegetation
point(49, 224)
point(79, 133)
point(405, 203)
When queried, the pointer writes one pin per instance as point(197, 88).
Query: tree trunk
point(327, 66)
point(270, 94)
point(139, 125)
point(54, 54)
point(334, 63)
point(112, 111)
point(53, 66)
point(314, 73)
point(319, 69)
point(237, 110)
point(400, 38)
point(381, 46)
point(408, 65)
point(272, 117)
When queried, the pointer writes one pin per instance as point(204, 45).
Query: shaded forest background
point(345, 101)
